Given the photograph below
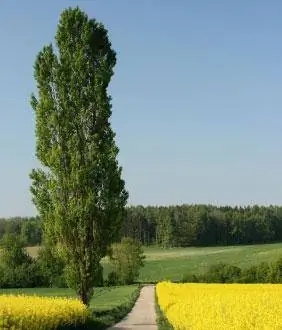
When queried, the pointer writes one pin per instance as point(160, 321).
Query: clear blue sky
point(197, 98)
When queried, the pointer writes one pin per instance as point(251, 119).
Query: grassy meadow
point(172, 264)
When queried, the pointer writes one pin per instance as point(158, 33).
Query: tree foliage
point(78, 192)
point(193, 225)
point(51, 266)
point(263, 272)
point(13, 253)
point(203, 225)
point(29, 229)
point(17, 268)
point(126, 258)
point(31, 232)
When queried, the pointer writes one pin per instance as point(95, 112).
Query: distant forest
point(180, 226)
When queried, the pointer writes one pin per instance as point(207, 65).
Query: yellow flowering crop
point(32, 312)
point(196, 306)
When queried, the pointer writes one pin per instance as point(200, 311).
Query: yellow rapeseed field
point(32, 312)
point(221, 306)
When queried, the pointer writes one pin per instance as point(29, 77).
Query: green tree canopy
point(78, 192)
point(127, 257)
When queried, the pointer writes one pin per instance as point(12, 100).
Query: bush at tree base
point(126, 257)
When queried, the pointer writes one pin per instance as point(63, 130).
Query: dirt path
point(143, 315)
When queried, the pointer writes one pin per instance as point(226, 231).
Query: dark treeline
point(203, 225)
point(28, 229)
point(181, 226)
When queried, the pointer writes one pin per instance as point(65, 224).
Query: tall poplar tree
point(79, 192)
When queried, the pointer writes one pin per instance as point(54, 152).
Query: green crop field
point(172, 264)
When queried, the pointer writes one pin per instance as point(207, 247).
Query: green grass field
point(108, 305)
point(172, 264)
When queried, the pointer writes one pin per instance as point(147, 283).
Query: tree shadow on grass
point(90, 325)
point(101, 320)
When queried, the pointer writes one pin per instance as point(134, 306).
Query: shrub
point(232, 274)
point(221, 273)
point(190, 278)
point(262, 272)
point(215, 273)
point(275, 271)
point(17, 268)
point(126, 258)
point(224, 273)
point(249, 275)
point(13, 253)
point(112, 279)
point(51, 267)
